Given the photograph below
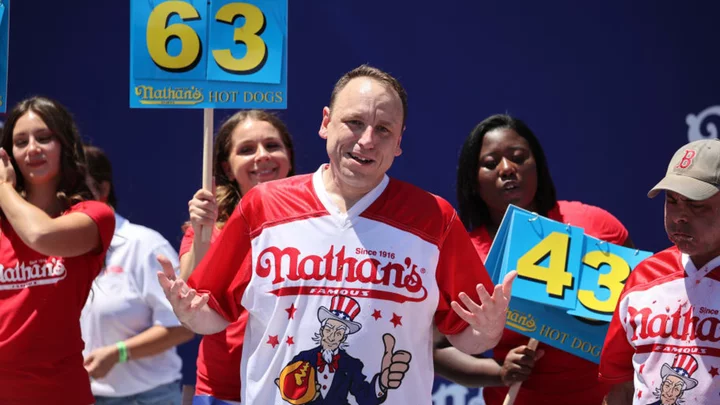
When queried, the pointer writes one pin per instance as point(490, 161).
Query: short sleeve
point(225, 271)
point(104, 218)
point(459, 270)
point(187, 240)
point(152, 293)
point(604, 226)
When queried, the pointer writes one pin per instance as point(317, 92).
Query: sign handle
point(207, 176)
point(513, 392)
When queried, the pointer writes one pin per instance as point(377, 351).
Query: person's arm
point(149, 342)
point(616, 359)
point(220, 279)
point(208, 322)
point(486, 320)
point(191, 309)
point(156, 339)
point(203, 213)
point(165, 331)
point(620, 394)
point(192, 258)
point(469, 371)
point(462, 276)
point(478, 371)
point(68, 235)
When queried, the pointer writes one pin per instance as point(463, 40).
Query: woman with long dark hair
point(52, 246)
point(502, 163)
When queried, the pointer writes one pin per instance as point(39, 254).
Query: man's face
point(363, 132)
point(333, 334)
point(694, 226)
point(672, 388)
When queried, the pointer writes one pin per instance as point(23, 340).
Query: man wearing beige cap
point(669, 311)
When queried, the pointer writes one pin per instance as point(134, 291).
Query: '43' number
point(557, 278)
point(160, 32)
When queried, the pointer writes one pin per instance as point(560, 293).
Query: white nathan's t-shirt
point(126, 299)
point(665, 333)
point(330, 293)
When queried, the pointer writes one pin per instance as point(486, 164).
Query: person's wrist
point(6, 188)
point(198, 241)
point(122, 352)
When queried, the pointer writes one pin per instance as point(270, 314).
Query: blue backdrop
point(607, 87)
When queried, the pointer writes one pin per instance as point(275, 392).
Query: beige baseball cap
point(694, 171)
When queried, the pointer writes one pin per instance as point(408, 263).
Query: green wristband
point(122, 352)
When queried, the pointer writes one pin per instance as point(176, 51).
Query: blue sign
point(568, 283)
point(201, 54)
point(4, 43)
point(445, 392)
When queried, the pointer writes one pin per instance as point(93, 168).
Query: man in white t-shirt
point(391, 259)
point(663, 343)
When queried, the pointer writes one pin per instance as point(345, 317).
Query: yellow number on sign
point(555, 275)
point(613, 281)
point(159, 33)
point(247, 34)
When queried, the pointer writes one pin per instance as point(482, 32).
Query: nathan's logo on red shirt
point(35, 272)
point(678, 325)
point(290, 264)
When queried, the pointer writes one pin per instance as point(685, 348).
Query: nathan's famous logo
point(678, 325)
point(520, 321)
point(36, 272)
point(169, 95)
point(290, 264)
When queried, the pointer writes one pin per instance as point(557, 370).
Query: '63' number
point(557, 278)
point(160, 32)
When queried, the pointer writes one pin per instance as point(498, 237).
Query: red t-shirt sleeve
point(187, 241)
point(225, 271)
point(104, 219)
point(482, 242)
point(604, 226)
point(188, 237)
point(616, 364)
point(459, 270)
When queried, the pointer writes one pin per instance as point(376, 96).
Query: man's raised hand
point(185, 301)
point(488, 318)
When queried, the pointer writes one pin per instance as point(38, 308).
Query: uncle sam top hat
point(343, 309)
point(684, 365)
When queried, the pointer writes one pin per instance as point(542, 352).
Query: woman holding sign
point(502, 163)
point(52, 247)
point(251, 147)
